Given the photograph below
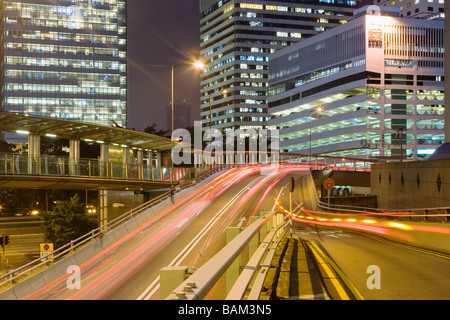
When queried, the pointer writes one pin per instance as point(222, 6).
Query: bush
point(68, 221)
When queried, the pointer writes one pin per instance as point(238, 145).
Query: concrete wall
point(344, 178)
point(420, 184)
point(306, 192)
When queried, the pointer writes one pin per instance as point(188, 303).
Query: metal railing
point(437, 214)
point(19, 164)
point(14, 164)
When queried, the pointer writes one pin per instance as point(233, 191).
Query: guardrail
point(437, 214)
point(198, 285)
point(95, 234)
point(13, 164)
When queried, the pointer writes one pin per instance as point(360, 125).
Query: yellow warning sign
point(46, 250)
point(46, 247)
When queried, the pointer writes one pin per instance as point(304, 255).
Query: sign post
point(329, 184)
point(291, 190)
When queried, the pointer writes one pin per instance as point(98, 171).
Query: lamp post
point(224, 91)
point(210, 119)
point(197, 65)
point(318, 110)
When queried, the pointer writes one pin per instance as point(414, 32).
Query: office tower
point(181, 115)
point(415, 8)
point(379, 81)
point(65, 59)
point(237, 37)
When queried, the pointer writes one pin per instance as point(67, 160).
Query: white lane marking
point(154, 286)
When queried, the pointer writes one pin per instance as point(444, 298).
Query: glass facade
point(65, 59)
point(237, 39)
point(380, 90)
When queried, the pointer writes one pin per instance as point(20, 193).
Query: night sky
point(161, 33)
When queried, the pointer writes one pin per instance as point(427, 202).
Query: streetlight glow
point(199, 65)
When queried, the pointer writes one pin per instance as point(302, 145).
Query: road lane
point(405, 273)
point(124, 258)
point(127, 268)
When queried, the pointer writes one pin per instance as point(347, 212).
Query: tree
point(152, 130)
point(68, 221)
point(5, 146)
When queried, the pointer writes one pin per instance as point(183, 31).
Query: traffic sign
point(46, 249)
point(329, 184)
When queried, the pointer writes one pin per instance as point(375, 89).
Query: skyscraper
point(379, 81)
point(182, 115)
point(65, 59)
point(237, 37)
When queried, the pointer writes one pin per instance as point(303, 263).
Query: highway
point(186, 234)
point(192, 230)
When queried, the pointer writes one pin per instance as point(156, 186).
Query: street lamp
point(224, 91)
point(197, 65)
point(317, 110)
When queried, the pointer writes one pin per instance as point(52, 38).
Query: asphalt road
point(186, 234)
point(405, 273)
point(24, 238)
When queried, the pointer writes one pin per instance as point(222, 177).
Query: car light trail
point(369, 225)
point(129, 265)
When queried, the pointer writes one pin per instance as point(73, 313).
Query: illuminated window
point(252, 6)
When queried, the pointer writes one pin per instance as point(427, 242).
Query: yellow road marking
point(321, 256)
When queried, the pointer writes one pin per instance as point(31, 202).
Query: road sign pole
point(290, 212)
point(329, 184)
point(291, 190)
